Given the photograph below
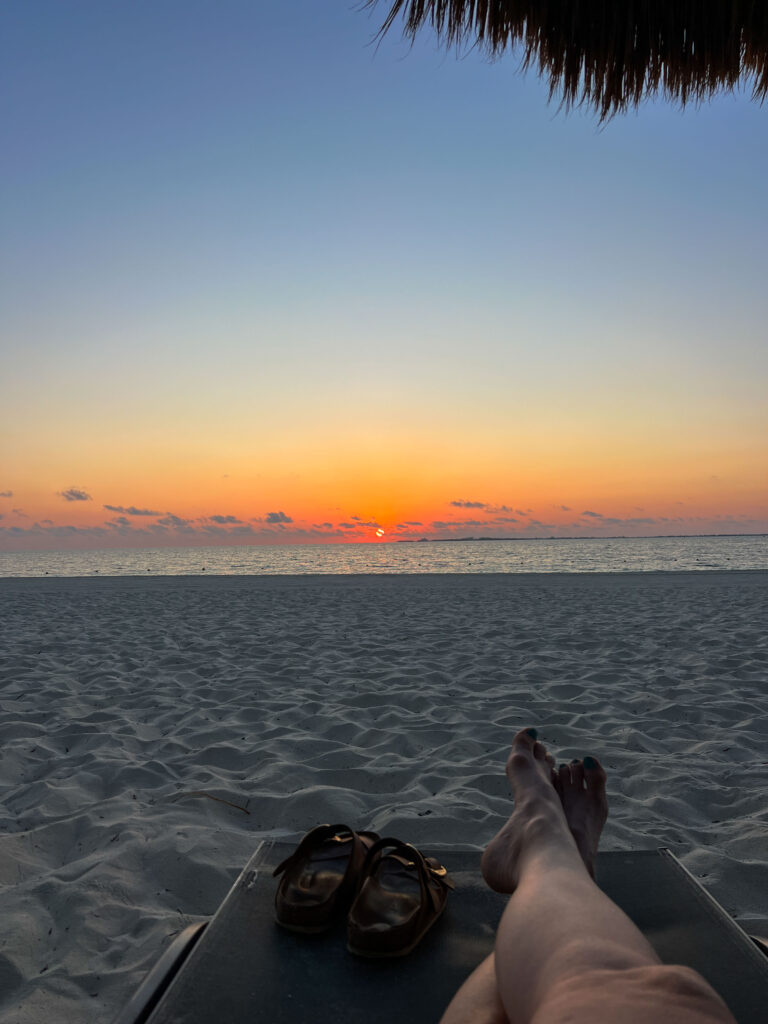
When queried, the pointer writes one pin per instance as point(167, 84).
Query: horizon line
point(378, 543)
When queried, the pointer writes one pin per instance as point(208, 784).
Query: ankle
point(546, 843)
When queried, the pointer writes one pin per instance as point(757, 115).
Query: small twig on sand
point(210, 796)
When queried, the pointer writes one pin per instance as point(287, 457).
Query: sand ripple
point(153, 730)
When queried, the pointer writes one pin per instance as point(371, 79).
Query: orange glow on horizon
point(453, 479)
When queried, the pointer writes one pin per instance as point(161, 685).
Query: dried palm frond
point(610, 54)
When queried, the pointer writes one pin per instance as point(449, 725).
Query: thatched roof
point(610, 54)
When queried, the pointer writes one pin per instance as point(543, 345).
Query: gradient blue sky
point(252, 262)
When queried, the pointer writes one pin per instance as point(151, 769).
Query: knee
point(687, 988)
point(648, 992)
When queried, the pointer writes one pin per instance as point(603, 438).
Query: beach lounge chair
point(240, 967)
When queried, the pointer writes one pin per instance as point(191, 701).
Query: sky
point(263, 280)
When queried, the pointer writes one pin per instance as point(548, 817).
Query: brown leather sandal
point(321, 877)
point(402, 895)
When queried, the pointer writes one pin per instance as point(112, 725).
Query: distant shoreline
point(605, 536)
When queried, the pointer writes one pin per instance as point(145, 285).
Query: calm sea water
point(647, 554)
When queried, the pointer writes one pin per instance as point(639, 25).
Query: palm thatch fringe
point(610, 54)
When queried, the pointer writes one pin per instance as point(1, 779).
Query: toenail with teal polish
point(533, 733)
point(590, 762)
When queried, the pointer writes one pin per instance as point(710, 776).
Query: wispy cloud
point(131, 510)
point(74, 494)
point(598, 519)
point(6, 494)
point(175, 522)
point(485, 506)
point(464, 524)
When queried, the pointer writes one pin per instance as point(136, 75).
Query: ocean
point(605, 554)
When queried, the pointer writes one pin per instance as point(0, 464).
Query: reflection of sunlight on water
point(647, 554)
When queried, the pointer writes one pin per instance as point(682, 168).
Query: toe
point(526, 739)
point(564, 774)
point(539, 751)
point(577, 774)
point(521, 757)
point(594, 776)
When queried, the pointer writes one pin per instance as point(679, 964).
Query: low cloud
point(565, 508)
point(461, 503)
point(121, 525)
point(464, 524)
point(6, 494)
point(75, 494)
point(487, 507)
point(600, 519)
point(61, 531)
point(131, 510)
point(231, 528)
point(175, 522)
point(277, 517)
point(123, 531)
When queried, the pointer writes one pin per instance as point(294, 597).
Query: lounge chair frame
point(240, 967)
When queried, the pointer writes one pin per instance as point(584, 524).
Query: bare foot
point(544, 808)
point(538, 824)
point(581, 786)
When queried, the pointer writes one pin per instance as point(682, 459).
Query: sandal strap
point(317, 836)
point(428, 869)
point(313, 839)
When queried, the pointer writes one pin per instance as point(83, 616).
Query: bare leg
point(478, 1000)
point(564, 951)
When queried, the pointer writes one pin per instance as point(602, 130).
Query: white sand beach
point(380, 701)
